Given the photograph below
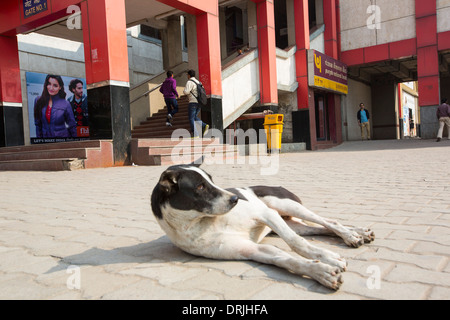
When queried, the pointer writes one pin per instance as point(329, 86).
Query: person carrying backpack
point(196, 95)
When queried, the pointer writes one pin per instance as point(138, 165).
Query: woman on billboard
point(53, 115)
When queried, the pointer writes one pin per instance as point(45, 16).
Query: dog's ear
point(168, 181)
point(197, 163)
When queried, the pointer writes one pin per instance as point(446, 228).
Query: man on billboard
point(79, 105)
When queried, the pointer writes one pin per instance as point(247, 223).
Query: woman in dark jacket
point(53, 115)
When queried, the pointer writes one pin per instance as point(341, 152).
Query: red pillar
point(338, 26)
point(107, 75)
point(427, 53)
point(332, 48)
point(210, 64)
point(11, 115)
point(305, 95)
point(427, 65)
point(208, 44)
point(301, 59)
point(105, 41)
point(330, 35)
point(267, 52)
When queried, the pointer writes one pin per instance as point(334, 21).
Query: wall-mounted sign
point(327, 73)
point(33, 7)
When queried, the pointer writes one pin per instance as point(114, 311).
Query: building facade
point(313, 60)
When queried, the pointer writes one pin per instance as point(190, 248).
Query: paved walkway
point(90, 234)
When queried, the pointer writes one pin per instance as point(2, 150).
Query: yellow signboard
point(331, 85)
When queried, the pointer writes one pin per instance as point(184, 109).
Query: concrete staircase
point(155, 126)
point(153, 145)
point(58, 156)
point(164, 151)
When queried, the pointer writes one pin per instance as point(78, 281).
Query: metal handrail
point(145, 94)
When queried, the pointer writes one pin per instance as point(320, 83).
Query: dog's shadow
point(162, 250)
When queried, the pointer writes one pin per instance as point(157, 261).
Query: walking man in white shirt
point(194, 108)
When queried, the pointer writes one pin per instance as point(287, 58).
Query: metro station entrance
point(101, 26)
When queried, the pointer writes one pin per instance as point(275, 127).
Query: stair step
point(57, 156)
point(42, 165)
point(159, 142)
point(151, 125)
point(53, 146)
point(190, 158)
point(178, 151)
point(167, 151)
point(80, 153)
point(163, 116)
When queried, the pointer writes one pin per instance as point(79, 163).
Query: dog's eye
point(200, 187)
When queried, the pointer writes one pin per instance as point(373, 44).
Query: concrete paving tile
point(20, 286)
point(114, 239)
point(385, 290)
point(229, 287)
point(439, 293)
point(149, 290)
point(406, 273)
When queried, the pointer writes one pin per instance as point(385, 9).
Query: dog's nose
point(234, 199)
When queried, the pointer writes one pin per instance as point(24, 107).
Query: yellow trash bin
point(273, 125)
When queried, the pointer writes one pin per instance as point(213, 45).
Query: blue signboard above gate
point(33, 7)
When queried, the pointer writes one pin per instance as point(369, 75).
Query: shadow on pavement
point(162, 250)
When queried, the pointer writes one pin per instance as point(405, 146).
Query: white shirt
point(191, 90)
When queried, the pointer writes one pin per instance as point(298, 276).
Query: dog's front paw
point(353, 239)
point(333, 259)
point(365, 233)
point(329, 276)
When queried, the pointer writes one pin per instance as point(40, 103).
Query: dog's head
point(189, 188)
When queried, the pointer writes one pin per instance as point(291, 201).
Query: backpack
point(201, 94)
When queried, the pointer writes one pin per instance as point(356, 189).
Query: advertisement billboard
point(57, 108)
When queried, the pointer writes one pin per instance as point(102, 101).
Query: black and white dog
point(205, 220)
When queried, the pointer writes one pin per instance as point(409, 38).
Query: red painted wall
point(10, 84)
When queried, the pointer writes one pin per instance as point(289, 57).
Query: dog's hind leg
point(303, 229)
point(353, 237)
point(273, 220)
point(327, 275)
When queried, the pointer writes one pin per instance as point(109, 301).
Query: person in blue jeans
point(170, 93)
point(194, 108)
point(363, 117)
